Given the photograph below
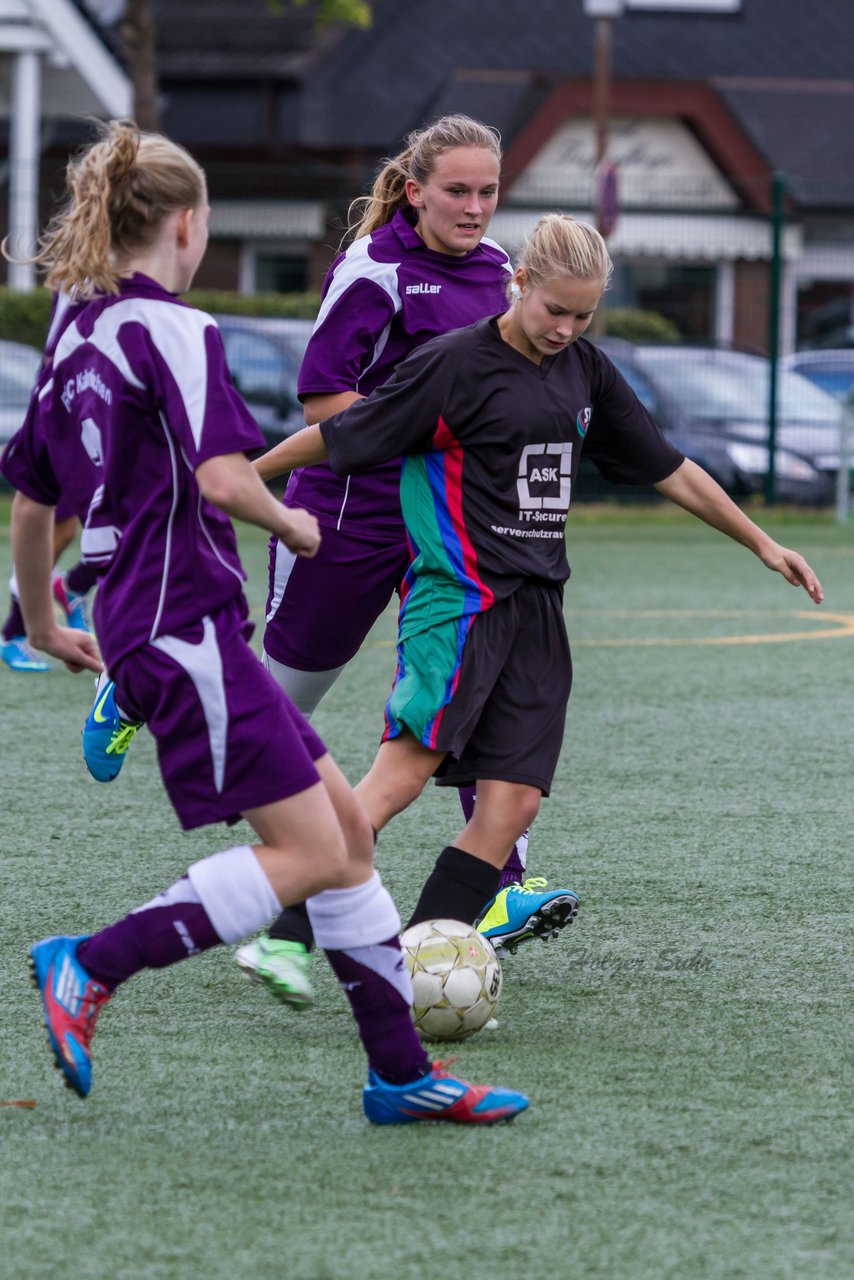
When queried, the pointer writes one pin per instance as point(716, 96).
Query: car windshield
point(836, 382)
point(713, 386)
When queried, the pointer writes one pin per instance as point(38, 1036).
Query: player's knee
point(528, 810)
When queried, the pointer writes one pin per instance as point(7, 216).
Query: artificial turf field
point(683, 1045)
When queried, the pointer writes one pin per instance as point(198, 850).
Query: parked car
point(19, 364)
point(831, 370)
point(713, 404)
point(264, 355)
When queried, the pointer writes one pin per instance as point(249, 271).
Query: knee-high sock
point(81, 578)
point(358, 929)
point(221, 899)
point(458, 888)
point(516, 864)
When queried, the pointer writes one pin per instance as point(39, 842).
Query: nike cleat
point(74, 605)
point(524, 911)
point(283, 967)
point(106, 736)
point(439, 1096)
point(71, 1002)
point(19, 655)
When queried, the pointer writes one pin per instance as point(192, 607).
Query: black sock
point(293, 925)
point(458, 888)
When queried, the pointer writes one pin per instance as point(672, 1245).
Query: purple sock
point(467, 795)
point(81, 578)
point(514, 869)
point(167, 929)
point(376, 983)
point(14, 624)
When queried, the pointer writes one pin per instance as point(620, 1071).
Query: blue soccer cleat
point(19, 655)
point(106, 736)
point(74, 605)
point(523, 911)
point(71, 1002)
point(439, 1096)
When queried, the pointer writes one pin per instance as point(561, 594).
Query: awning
point(268, 219)
point(685, 237)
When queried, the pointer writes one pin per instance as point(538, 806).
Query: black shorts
point(501, 714)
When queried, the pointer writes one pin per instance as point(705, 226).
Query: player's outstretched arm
point(303, 449)
point(32, 555)
point(231, 483)
point(694, 489)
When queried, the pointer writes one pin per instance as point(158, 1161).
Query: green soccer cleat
point(283, 967)
point(520, 912)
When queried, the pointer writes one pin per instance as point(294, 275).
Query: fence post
point(777, 210)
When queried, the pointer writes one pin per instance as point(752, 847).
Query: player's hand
point(794, 569)
point(301, 533)
point(77, 649)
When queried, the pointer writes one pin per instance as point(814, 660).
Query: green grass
point(683, 1046)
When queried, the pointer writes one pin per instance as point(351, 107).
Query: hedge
point(24, 316)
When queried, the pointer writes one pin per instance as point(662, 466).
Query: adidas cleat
point(74, 605)
point(439, 1096)
point(106, 736)
point(525, 911)
point(283, 967)
point(71, 1002)
point(19, 655)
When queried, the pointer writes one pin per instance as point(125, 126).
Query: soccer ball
point(456, 978)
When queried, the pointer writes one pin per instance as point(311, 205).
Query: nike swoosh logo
point(99, 719)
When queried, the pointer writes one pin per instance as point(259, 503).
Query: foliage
point(356, 13)
point(640, 326)
point(24, 317)
point(301, 305)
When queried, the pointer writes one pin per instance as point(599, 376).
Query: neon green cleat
point(283, 967)
point(520, 912)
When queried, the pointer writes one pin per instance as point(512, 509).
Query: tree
point(138, 31)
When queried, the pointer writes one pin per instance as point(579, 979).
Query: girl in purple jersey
point(146, 375)
point(418, 266)
point(492, 421)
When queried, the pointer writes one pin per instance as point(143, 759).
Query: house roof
point(781, 69)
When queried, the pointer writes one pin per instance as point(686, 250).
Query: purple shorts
point(228, 738)
point(319, 611)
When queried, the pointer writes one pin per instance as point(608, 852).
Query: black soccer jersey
point(492, 444)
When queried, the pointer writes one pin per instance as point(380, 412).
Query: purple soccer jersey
point(140, 380)
point(26, 452)
point(384, 297)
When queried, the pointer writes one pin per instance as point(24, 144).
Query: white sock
point(235, 892)
point(344, 919)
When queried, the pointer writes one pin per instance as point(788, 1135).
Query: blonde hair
point(561, 246)
point(416, 161)
point(120, 189)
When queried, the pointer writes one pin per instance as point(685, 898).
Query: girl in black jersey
point(492, 421)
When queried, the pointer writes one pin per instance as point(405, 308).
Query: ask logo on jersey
point(544, 482)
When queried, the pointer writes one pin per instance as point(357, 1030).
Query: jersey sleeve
point(25, 462)
point(353, 317)
point(623, 441)
point(194, 386)
point(400, 417)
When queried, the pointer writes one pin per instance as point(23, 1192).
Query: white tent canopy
point(52, 66)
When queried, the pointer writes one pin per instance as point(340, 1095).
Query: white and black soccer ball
point(456, 978)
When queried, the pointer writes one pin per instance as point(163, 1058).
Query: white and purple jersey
point(140, 382)
point(385, 296)
point(20, 456)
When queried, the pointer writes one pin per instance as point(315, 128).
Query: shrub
point(24, 317)
point(640, 326)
